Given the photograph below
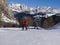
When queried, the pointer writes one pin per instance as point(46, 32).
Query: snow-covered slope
point(14, 36)
point(33, 37)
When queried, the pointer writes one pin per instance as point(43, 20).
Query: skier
point(36, 23)
point(24, 23)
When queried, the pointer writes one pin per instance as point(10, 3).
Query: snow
point(34, 10)
point(35, 37)
point(49, 15)
point(6, 19)
point(57, 26)
point(17, 7)
point(15, 36)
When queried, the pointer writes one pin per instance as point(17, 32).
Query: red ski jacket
point(24, 22)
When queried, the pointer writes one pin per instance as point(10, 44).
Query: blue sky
point(35, 3)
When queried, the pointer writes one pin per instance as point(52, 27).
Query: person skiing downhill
point(24, 23)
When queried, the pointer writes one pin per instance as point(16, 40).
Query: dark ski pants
point(24, 26)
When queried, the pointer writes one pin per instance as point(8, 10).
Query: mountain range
point(30, 10)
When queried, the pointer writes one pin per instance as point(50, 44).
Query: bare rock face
point(50, 21)
point(58, 19)
point(2, 2)
point(6, 16)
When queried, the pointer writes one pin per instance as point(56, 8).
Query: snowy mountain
point(22, 8)
point(18, 7)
